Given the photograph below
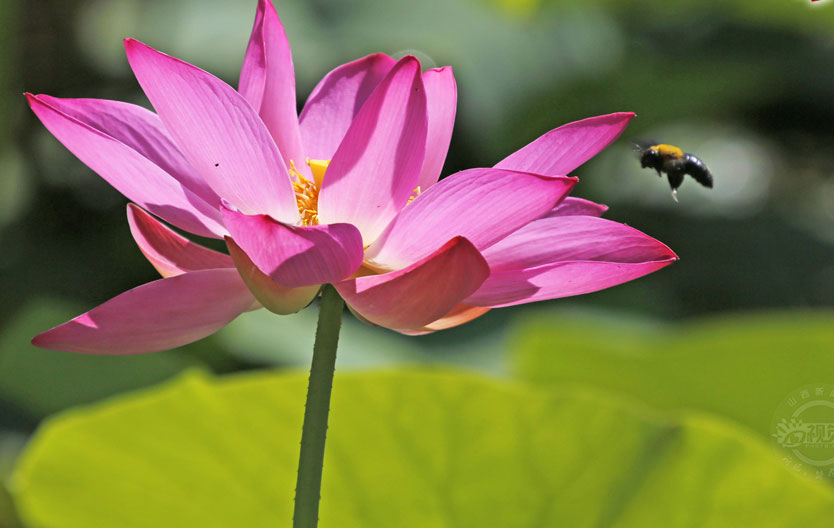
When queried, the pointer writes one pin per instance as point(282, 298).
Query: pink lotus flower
point(346, 193)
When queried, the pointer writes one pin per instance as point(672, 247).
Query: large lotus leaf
point(405, 449)
point(741, 366)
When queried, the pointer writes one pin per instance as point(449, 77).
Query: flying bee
point(675, 163)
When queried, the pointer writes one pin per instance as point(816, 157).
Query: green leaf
point(405, 449)
point(39, 382)
point(739, 366)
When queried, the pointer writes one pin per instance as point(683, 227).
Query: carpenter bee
point(675, 163)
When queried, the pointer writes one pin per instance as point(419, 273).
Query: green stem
point(314, 431)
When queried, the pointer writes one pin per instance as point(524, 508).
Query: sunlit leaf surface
point(740, 366)
point(406, 449)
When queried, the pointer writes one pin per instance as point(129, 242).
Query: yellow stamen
point(306, 191)
point(307, 196)
point(294, 174)
point(414, 194)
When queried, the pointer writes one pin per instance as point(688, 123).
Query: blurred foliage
point(408, 448)
point(288, 340)
point(38, 382)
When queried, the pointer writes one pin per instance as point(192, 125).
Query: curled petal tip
point(227, 206)
point(131, 45)
point(672, 256)
point(377, 56)
point(32, 99)
point(410, 59)
point(459, 239)
point(563, 149)
point(45, 340)
point(571, 181)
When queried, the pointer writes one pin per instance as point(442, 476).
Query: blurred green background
point(748, 85)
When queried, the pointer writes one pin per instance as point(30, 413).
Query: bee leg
point(675, 179)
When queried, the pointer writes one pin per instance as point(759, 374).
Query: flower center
point(307, 192)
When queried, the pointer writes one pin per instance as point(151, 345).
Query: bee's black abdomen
point(698, 170)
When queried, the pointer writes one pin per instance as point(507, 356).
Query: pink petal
point(271, 295)
point(139, 129)
point(571, 206)
point(560, 279)
point(483, 205)
point(297, 256)
point(563, 149)
point(441, 101)
point(419, 294)
point(159, 315)
point(574, 238)
point(168, 252)
point(375, 169)
point(217, 131)
point(563, 256)
point(267, 81)
point(336, 100)
point(460, 314)
point(132, 174)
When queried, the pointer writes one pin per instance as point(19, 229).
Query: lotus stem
point(314, 430)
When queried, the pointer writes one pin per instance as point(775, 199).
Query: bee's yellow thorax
point(668, 151)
